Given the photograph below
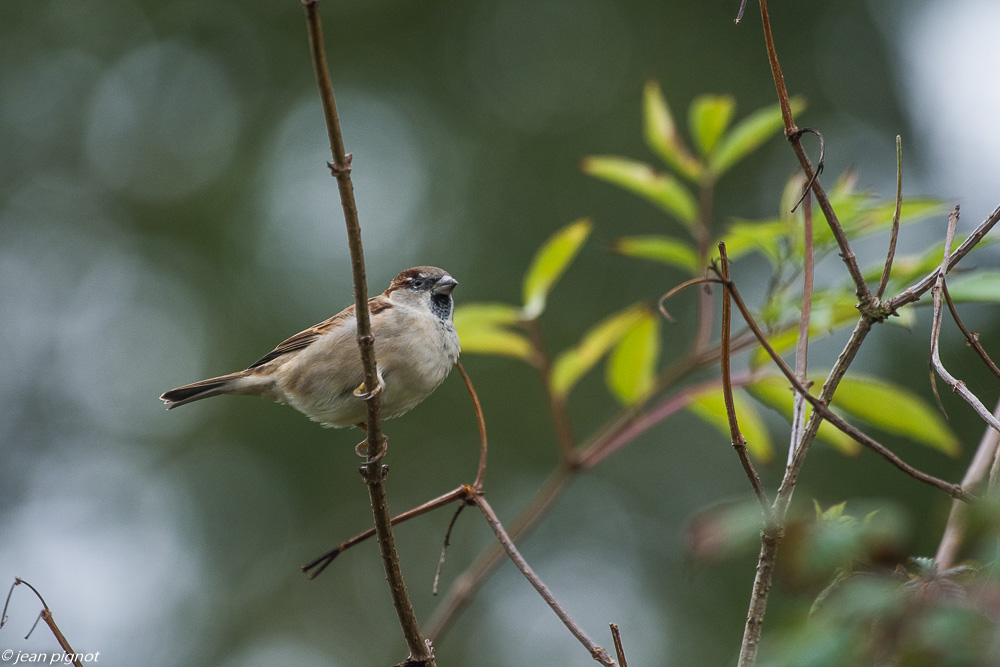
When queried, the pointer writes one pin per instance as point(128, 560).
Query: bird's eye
point(417, 283)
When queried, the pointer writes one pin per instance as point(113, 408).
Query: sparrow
point(318, 371)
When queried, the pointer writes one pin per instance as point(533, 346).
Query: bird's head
point(426, 286)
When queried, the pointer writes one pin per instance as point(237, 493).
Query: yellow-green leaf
point(664, 249)
point(501, 342)
point(550, 262)
point(895, 410)
point(480, 328)
point(661, 134)
point(982, 285)
point(748, 135)
point(711, 407)
point(708, 118)
point(661, 189)
point(573, 363)
point(775, 392)
point(479, 314)
point(631, 370)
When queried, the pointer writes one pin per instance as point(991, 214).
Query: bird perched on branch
point(319, 371)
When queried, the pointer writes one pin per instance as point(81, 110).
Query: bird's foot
point(365, 395)
point(362, 449)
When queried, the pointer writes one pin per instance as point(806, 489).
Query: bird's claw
point(361, 449)
point(365, 395)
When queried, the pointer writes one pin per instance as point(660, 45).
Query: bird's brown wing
point(305, 338)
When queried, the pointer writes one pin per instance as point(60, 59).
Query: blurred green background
point(166, 215)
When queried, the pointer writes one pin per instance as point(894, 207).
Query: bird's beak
point(444, 286)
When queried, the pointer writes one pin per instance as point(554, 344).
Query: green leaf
point(631, 370)
point(708, 118)
point(661, 189)
point(895, 410)
point(664, 249)
point(831, 310)
point(744, 237)
point(480, 328)
point(775, 392)
point(550, 262)
point(711, 407)
point(481, 314)
point(748, 135)
point(983, 285)
point(661, 134)
point(573, 364)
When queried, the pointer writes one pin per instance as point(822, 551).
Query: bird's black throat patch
point(441, 305)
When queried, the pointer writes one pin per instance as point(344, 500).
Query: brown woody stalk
point(956, 385)
point(738, 441)
point(596, 652)
point(951, 539)
point(794, 136)
point(895, 220)
point(46, 616)
point(373, 472)
point(802, 344)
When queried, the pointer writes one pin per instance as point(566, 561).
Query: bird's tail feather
point(224, 384)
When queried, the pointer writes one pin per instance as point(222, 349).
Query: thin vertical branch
point(802, 345)
point(794, 136)
point(616, 635)
point(557, 406)
point(706, 306)
point(373, 472)
point(481, 421)
point(738, 441)
point(954, 531)
point(596, 652)
point(895, 220)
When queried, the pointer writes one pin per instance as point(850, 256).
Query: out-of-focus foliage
point(888, 407)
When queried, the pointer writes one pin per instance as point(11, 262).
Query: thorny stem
point(738, 441)
point(373, 472)
point(596, 652)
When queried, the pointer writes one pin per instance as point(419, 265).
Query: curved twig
point(738, 441)
point(819, 165)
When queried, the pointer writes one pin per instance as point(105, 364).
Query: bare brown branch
point(971, 338)
point(738, 441)
point(596, 652)
point(481, 421)
point(895, 220)
point(616, 636)
point(316, 566)
point(956, 385)
point(372, 471)
point(954, 532)
point(802, 344)
point(794, 136)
